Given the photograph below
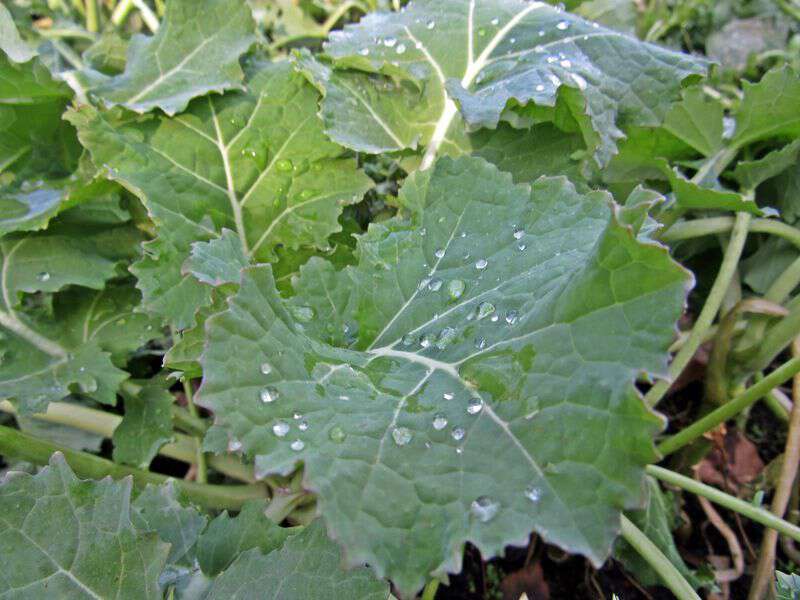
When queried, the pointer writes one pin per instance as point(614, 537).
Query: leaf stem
point(121, 12)
point(429, 593)
point(791, 456)
point(730, 409)
point(709, 311)
point(14, 443)
point(10, 321)
point(756, 513)
point(91, 15)
point(200, 457)
point(686, 230)
point(656, 559)
point(104, 423)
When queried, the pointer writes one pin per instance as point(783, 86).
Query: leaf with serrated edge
point(482, 55)
point(146, 425)
point(769, 108)
point(257, 163)
point(543, 344)
point(196, 51)
point(61, 537)
point(306, 566)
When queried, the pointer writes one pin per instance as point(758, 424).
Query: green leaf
point(692, 195)
point(697, 120)
point(48, 356)
point(196, 51)
point(485, 55)
point(769, 108)
point(66, 538)
point(218, 261)
point(159, 510)
point(787, 586)
point(307, 566)
point(28, 210)
point(752, 173)
point(227, 537)
point(10, 41)
point(242, 162)
point(486, 336)
point(146, 425)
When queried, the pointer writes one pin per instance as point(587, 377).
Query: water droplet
point(448, 395)
point(481, 264)
point(579, 81)
point(304, 314)
point(43, 276)
point(269, 394)
point(389, 42)
point(401, 435)
point(303, 425)
point(480, 343)
point(459, 450)
point(284, 165)
point(364, 52)
point(281, 428)
point(266, 368)
point(481, 32)
point(511, 317)
point(562, 26)
point(566, 64)
point(400, 48)
point(457, 434)
point(512, 40)
point(495, 318)
point(521, 247)
point(518, 233)
point(408, 339)
point(446, 337)
point(439, 253)
point(234, 445)
point(540, 88)
point(495, 21)
point(297, 445)
point(435, 285)
point(430, 24)
point(484, 310)
point(344, 397)
point(426, 340)
point(439, 421)
point(475, 406)
point(456, 288)
point(484, 508)
point(533, 493)
point(337, 434)
point(297, 416)
point(423, 283)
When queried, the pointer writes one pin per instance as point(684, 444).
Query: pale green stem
point(686, 230)
point(755, 513)
point(671, 577)
point(730, 409)
point(92, 23)
point(22, 446)
point(10, 321)
point(429, 593)
point(121, 12)
point(202, 472)
point(709, 311)
point(68, 53)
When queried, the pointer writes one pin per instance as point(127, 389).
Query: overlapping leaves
point(477, 331)
point(256, 163)
point(483, 56)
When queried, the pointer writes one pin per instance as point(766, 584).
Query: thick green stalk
point(104, 423)
point(776, 339)
point(687, 230)
point(659, 563)
point(730, 409)
point(726, 271)
point(757, 514)
point(92, 23)
point(16, 444)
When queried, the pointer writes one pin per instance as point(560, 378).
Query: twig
point(762, 579)
point(726, 532)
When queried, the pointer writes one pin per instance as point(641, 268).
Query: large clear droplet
point(268, 394)
point(304, 314)
point(518, 233)
point(401, 435)
point(439, 421)
point(285, 165)
point(475, 406)
point(511, 317)
point(337, 434)
point(484, 310)
point(481, 264)
point(408, 339)
point(266, 368)
point(457, 434)
point(43, 276)
point(562, 26)
point(435, 285)
point(426, 341)
point(439, 253)
point(448, 395)
point(484, 508)
point(455, 288)
point(446, 337)
point(297, 445)
point(281, 428)
point(234, 445)
point(389, 42)
point(302, 425)
point(401, 48)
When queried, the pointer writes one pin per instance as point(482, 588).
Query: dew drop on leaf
point(303, 425)
point(43, 276)
point(518, 233)
point(448, 395)
point(484, 508)
point(389, 42)
point(268, 394)
point(337, 434)
point(401, 435)
point(364, 52)
point(457, 434)
point(455, 288)
point(426, 340)
point(431, 24)
point(484, 310)
point(285, 165)
point(435, 285)
point(521, 247)
point(481, 264)
point(303, 314)
point(408, 339)
point(511, 317)
point(401, 48)
point(495, 21)
point(439, 253)
point(480, 343)
point(446, 337)
point(475, 406)
point(533, 493)
point(439, 421)
point(297, 416)
point(234, 445)
point(297, 445)
point(281, 428)
point(266, 368)
point(562, 26)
